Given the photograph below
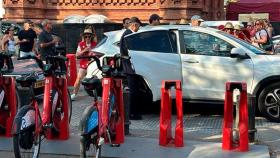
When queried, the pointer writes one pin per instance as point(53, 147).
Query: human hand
point(87, 49)
point(24, 40)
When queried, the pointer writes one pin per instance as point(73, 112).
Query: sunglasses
point(88, 36)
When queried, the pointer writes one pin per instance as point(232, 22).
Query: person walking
point(154, 20)
point(26, 39)
point(46, 41)
point(8, 42)
point(38, 29)
point(196, 20)
point(84, 49)
point(135, 114)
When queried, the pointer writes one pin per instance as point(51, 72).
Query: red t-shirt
point(83, 45)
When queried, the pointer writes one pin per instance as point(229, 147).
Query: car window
point(153, 41)
point(247, 45)
point(205, 44)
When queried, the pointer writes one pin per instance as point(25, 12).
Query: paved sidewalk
point(137, 147)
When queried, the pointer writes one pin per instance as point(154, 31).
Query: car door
point(154, 57)
point(207, 66)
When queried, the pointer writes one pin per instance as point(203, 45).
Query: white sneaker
point(73, 96)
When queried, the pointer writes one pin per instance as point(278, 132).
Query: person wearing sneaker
point(88, 42)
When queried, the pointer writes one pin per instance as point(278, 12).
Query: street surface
point(202, 123)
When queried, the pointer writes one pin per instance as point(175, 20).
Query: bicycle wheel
point(89, 133)
point(25, 143)
point(57, 108)
point(113, 116)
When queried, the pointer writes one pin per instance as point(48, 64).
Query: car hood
point(25, 67)
point(274, 58)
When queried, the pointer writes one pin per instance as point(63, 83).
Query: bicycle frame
point(7, 117)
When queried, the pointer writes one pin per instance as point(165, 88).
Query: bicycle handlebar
point(97, 60)
point(58, 58)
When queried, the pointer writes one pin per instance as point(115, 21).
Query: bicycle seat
point(27, 80)
point(91, 82)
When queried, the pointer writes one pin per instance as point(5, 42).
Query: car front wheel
point(269, 102)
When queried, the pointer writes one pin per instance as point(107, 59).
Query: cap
point(135, 20)
point(250, 23)
point(28, 21)
point(155, 17)
point(87, 31)
point(237, 27)
point(228, 25)
point(197, 17)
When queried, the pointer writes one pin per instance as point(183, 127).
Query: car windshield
point(247, 45)
point(101, 42)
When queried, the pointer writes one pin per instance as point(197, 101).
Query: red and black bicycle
point(103, 121)
point(30, 125)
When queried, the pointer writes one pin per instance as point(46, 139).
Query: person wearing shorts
point(83, 49)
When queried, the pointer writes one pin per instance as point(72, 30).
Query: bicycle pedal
point(115, 145)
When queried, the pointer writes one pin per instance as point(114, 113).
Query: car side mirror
point(238, 53)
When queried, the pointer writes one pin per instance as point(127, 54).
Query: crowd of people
point(258, 33)
point(34, 39)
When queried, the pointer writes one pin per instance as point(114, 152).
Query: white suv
point(203, 59)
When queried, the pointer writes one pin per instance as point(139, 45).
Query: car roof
point(162, 27)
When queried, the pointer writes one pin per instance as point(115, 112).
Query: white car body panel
point(155, 67)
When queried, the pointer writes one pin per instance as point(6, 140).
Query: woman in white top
point(8, 42)
point(262, 38)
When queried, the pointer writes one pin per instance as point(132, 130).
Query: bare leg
point(81, 74)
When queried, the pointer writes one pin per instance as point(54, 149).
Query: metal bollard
point(126, 110)
point(251, 113)
point(251, 118)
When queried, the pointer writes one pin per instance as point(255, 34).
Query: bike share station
point(238, 134)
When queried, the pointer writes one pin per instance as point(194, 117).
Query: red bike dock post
point(165, 135)
point(71, 69)
point(7, 116)
point(107, 84)
point(227, 140)
point(63, 124)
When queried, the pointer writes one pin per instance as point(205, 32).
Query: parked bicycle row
point(103, 121)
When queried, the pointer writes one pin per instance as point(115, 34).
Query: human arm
point(263, 37)
point(81, 52)
point(4, 43)
point(43, 41)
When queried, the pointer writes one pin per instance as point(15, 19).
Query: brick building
point(115, 10)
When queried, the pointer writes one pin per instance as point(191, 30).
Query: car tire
point(269, 102)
